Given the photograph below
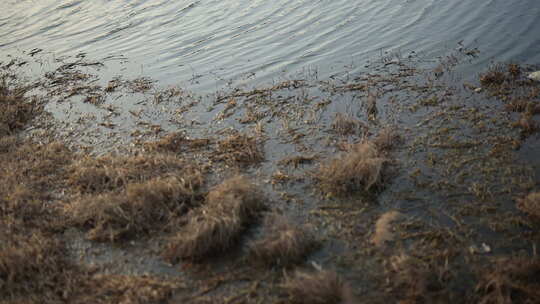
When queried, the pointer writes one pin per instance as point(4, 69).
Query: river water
point(207, 43)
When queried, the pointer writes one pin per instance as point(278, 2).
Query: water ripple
point(264, 37)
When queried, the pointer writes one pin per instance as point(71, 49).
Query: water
point(208, 43)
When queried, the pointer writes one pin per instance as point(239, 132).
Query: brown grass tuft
point(283, 244)
point(31, 175)
point(511, 280)
point(383, 228)
point(126, 290)
point(514, 70)
point(530, 204)
point(137, 210)
point(33, 269)
point(321, 287)
point(17, 110)
point(527, 125)
point(414, 281)
point(386, 139)
point(216, 226)
point(495, 76)
point(347, 125)
point(359, 168)
point(239, 149)
point(177, 142)
point(111, 172)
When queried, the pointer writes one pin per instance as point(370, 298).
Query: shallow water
point(207, 44)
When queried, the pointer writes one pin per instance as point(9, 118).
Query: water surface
point(207, 43)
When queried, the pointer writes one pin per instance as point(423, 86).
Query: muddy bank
point(400, 184)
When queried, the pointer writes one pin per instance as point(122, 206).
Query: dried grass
point(495, 76)
point(33, 269)
point(530, 204)
point(386, 139)
point(344, 124)
point(359, 168)
point(177, 142)
point(17, 110)
point(31, 175)
point(413, 281)
point(239, 149)
point(283, 243)
point(511, 280)
point(104, 289)
point(217, 226)
point(139, 209)
point(111, 172)
point(321, 287)
point(383, 228)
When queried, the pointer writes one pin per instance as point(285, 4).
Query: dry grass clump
point(527, 124)
point(216, 226)
point(511, 280)
point(383, 228)
point(283, 244)
point(320, 287)
point(413, 281)
point(102, 289)
point(111, 172)
point(17, 110)
point(177, 142)
point(33, 269)
point(386, 139)
point(31, 175)
point(137, 210)
point(530, 204)
point(358, 168)
point(495, 76)
point(239, 149)
point(345, 124)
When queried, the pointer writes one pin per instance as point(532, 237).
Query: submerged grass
point(217, 226)
point(283, 243)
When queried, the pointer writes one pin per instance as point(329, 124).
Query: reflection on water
point(178, 41)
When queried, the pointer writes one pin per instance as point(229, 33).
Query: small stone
point(534, 76)
point(478, 90)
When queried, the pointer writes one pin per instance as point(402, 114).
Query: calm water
point(208, 42)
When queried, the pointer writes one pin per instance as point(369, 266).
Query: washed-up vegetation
point(139, 209)
point(283, 244)
point(511, 280)
point(531, 204)
point(218, 224)
point(359, 168)
point(429, 192)
point(318, 287)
